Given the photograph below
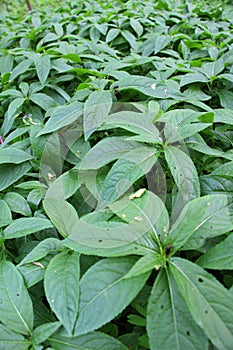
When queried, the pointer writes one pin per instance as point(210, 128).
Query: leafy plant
point(116, 176)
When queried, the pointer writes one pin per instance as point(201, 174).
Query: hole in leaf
point(188, 333)
point(200, 280)
point(100, 240)
point(162, 306)
point(206, 311)
point(17, 294)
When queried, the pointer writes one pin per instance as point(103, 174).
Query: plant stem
point(28, 5)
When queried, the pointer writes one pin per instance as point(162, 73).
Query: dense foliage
point(116, 177)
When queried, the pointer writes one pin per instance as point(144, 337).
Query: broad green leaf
point(15, 106)
point(147, 86)
point(64, 186)
point(62, 287)
point(42, 64)
point(225, 97)
point(144, 211)
point(15, 306)
point(106, 151)
point(219, 257)
point(89, 341)
point(169, 323)
point(180, 124)
point(44, 331)
point(109, 295)
point(25, 226)
point(21, 68)
point(145, 264)
point(42, 249)
point(62, 116)
point(96, 108)
point(34, 272)
point(6, 217)
point(44, 101)
point(202, 218)
point(223, 115)
point(17, 203)
point(211, 184)
point(193, 78)
point(10, 340)
point(130, 38)
point(61, 213)
point(208, 301)
point(10, 173)
point(197, 143)
point(112, 34)
point(139, 123)
point(137, 27)
point(14, 155)
point(126, 170)
point(225, 169)
point(184, 173)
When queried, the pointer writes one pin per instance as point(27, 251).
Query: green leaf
point(62, 116)
point(128, 169)
point(42, 64)
point(137, 27)
point(211, 184)
point(21, 68)
point(199, 220)
point(14, 107)
point(62, 287)
point(207, 300)
point(89, 341)
point(10, 340)
point(44, 331)
point(44, 101)
point(25, 226)
point(109, 295)
point(61, 213)
point(14, 155)
point(42, 249)
point(96, 108)
point(180, 124)
point(142, 84)
point(106, 151)
point(6, 217)
point(139, 123)
point(64, 186)
point(10, 173)
point(17, 203)
point(146, 212)
point(130, 38)
point(193, 78)
point(169, 323)
point(184, 173)
point(219, 257)
point(225, 169)
point(15, 304)
point(145, 264)
point(112, 34)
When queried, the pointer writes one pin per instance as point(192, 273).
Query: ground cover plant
point(116, 177)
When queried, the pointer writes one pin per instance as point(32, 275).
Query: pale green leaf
point(89, 341)
point(107, 295)
point(10, 340)
point(208, 301)
point(62, 287)
point(15, 304)
point(169, 323)
point(25, 226)
point(219, 257)
point(96, 108)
